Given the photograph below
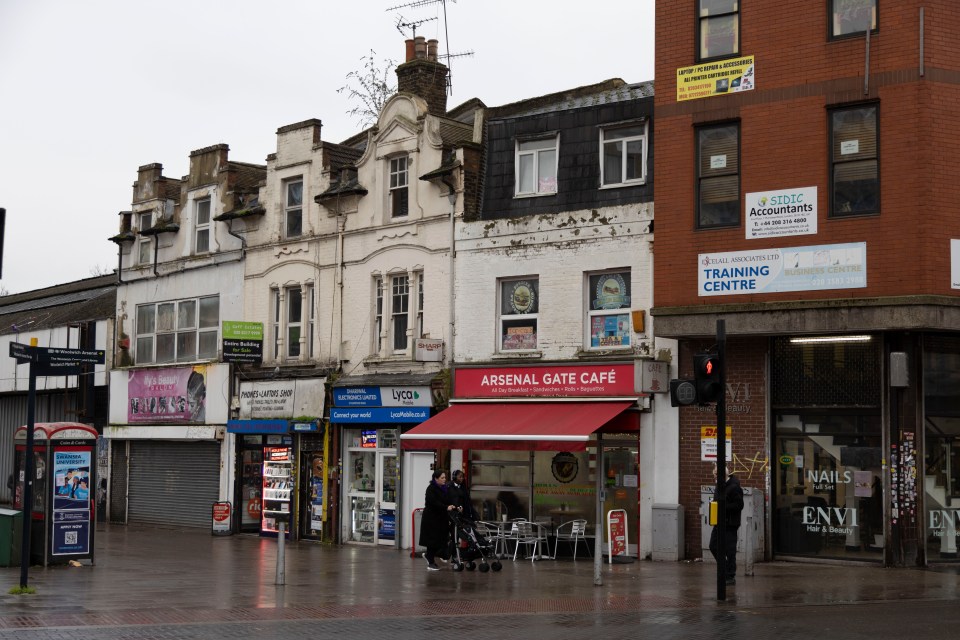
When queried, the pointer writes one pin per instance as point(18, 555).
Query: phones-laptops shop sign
point(814, 268)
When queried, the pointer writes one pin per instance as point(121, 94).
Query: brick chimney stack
point(423, 76)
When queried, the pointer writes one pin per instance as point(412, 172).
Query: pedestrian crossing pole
point(722, 462)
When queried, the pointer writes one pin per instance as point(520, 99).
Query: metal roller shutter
point(173, 482)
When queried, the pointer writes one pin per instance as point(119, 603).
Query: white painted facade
point(561, 251)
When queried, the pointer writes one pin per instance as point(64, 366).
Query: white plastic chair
point(571, 531)
point(528, 534)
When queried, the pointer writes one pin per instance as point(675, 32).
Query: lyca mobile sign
point(833, 266)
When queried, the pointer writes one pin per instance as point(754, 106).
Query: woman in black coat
point(435, 525)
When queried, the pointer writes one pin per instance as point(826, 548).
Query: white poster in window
point(787, 212)
point(718, 162)
point(849, 146)
point(955, 264)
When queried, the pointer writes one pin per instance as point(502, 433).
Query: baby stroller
point(469, 545)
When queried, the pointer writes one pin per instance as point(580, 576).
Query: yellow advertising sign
point(715, 78)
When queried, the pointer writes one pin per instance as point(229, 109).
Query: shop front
point(168, 447)
point(536, 442)
point(370, 419)
point(281, 453)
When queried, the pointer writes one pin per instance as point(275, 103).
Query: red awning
point(542, 426)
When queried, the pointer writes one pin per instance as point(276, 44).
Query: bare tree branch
point(371, 86)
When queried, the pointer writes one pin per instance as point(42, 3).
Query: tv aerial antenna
point(412, 25)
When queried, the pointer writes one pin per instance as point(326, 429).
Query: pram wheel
point(457, 566)
point(473, 565)
point(496, 566)
point(484, 567)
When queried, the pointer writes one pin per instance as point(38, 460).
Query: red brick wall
point(784, 142)
point(746, 417)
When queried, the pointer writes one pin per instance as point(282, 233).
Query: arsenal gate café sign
point(558, 381)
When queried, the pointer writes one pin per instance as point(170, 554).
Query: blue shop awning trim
point(258, 426)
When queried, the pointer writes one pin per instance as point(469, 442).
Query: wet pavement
point(172, 583)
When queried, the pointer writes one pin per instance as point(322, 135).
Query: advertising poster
point(71, 503)
point(715, 78)
point(171, 396)
point(814, 268)
point(788, 212)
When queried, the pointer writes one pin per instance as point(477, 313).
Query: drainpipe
point(447, 180)
point(341, 227)
point(243, 241)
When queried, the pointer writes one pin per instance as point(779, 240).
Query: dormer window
point(537, 167)
point(293, 208)
point(398, 186)
point(144, 222)
point(203, 226)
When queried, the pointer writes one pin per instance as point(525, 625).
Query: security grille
point(173, 483)
point(840, 374)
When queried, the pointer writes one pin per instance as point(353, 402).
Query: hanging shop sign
point(814, 268)
point(427, 350)
point(653, 375)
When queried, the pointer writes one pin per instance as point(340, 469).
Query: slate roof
point(607, 92)
point(60, 305)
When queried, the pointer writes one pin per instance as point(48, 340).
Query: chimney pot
point(411, 50)
point(421, 47)
point(432, 50)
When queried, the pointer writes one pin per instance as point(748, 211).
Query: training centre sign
point(815, 268)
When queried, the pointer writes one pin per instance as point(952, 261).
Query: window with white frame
point(378, 323)
point(294, 321)
point(398, 186)
point(399, 311)
point(311, 320)
point(420, 305)
point(718, 28)
point(293, 208)
point(392, 314)
point(178, 330)
point(608, 310)
point(536, 166)
point(288, 321)
point(852, 17)
point(623, 154)
point(145, 244)
point(202, 225)
point(519, 311)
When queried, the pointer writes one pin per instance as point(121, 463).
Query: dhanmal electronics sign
point(814, 268)
point(789, 212)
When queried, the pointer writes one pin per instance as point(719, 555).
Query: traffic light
point(682, 393)
point(706, 374)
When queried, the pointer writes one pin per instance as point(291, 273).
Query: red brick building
point(807, 194)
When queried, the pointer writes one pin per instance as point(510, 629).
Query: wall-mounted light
point(830, 339)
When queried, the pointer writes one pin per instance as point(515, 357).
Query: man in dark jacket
point(733, 496)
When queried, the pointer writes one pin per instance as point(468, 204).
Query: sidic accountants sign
point(547, 381)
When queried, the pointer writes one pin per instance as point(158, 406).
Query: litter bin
point(11, 530)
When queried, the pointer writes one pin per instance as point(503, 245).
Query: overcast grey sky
point(92, 89)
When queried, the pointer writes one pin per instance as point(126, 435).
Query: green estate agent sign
point(242, 341)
